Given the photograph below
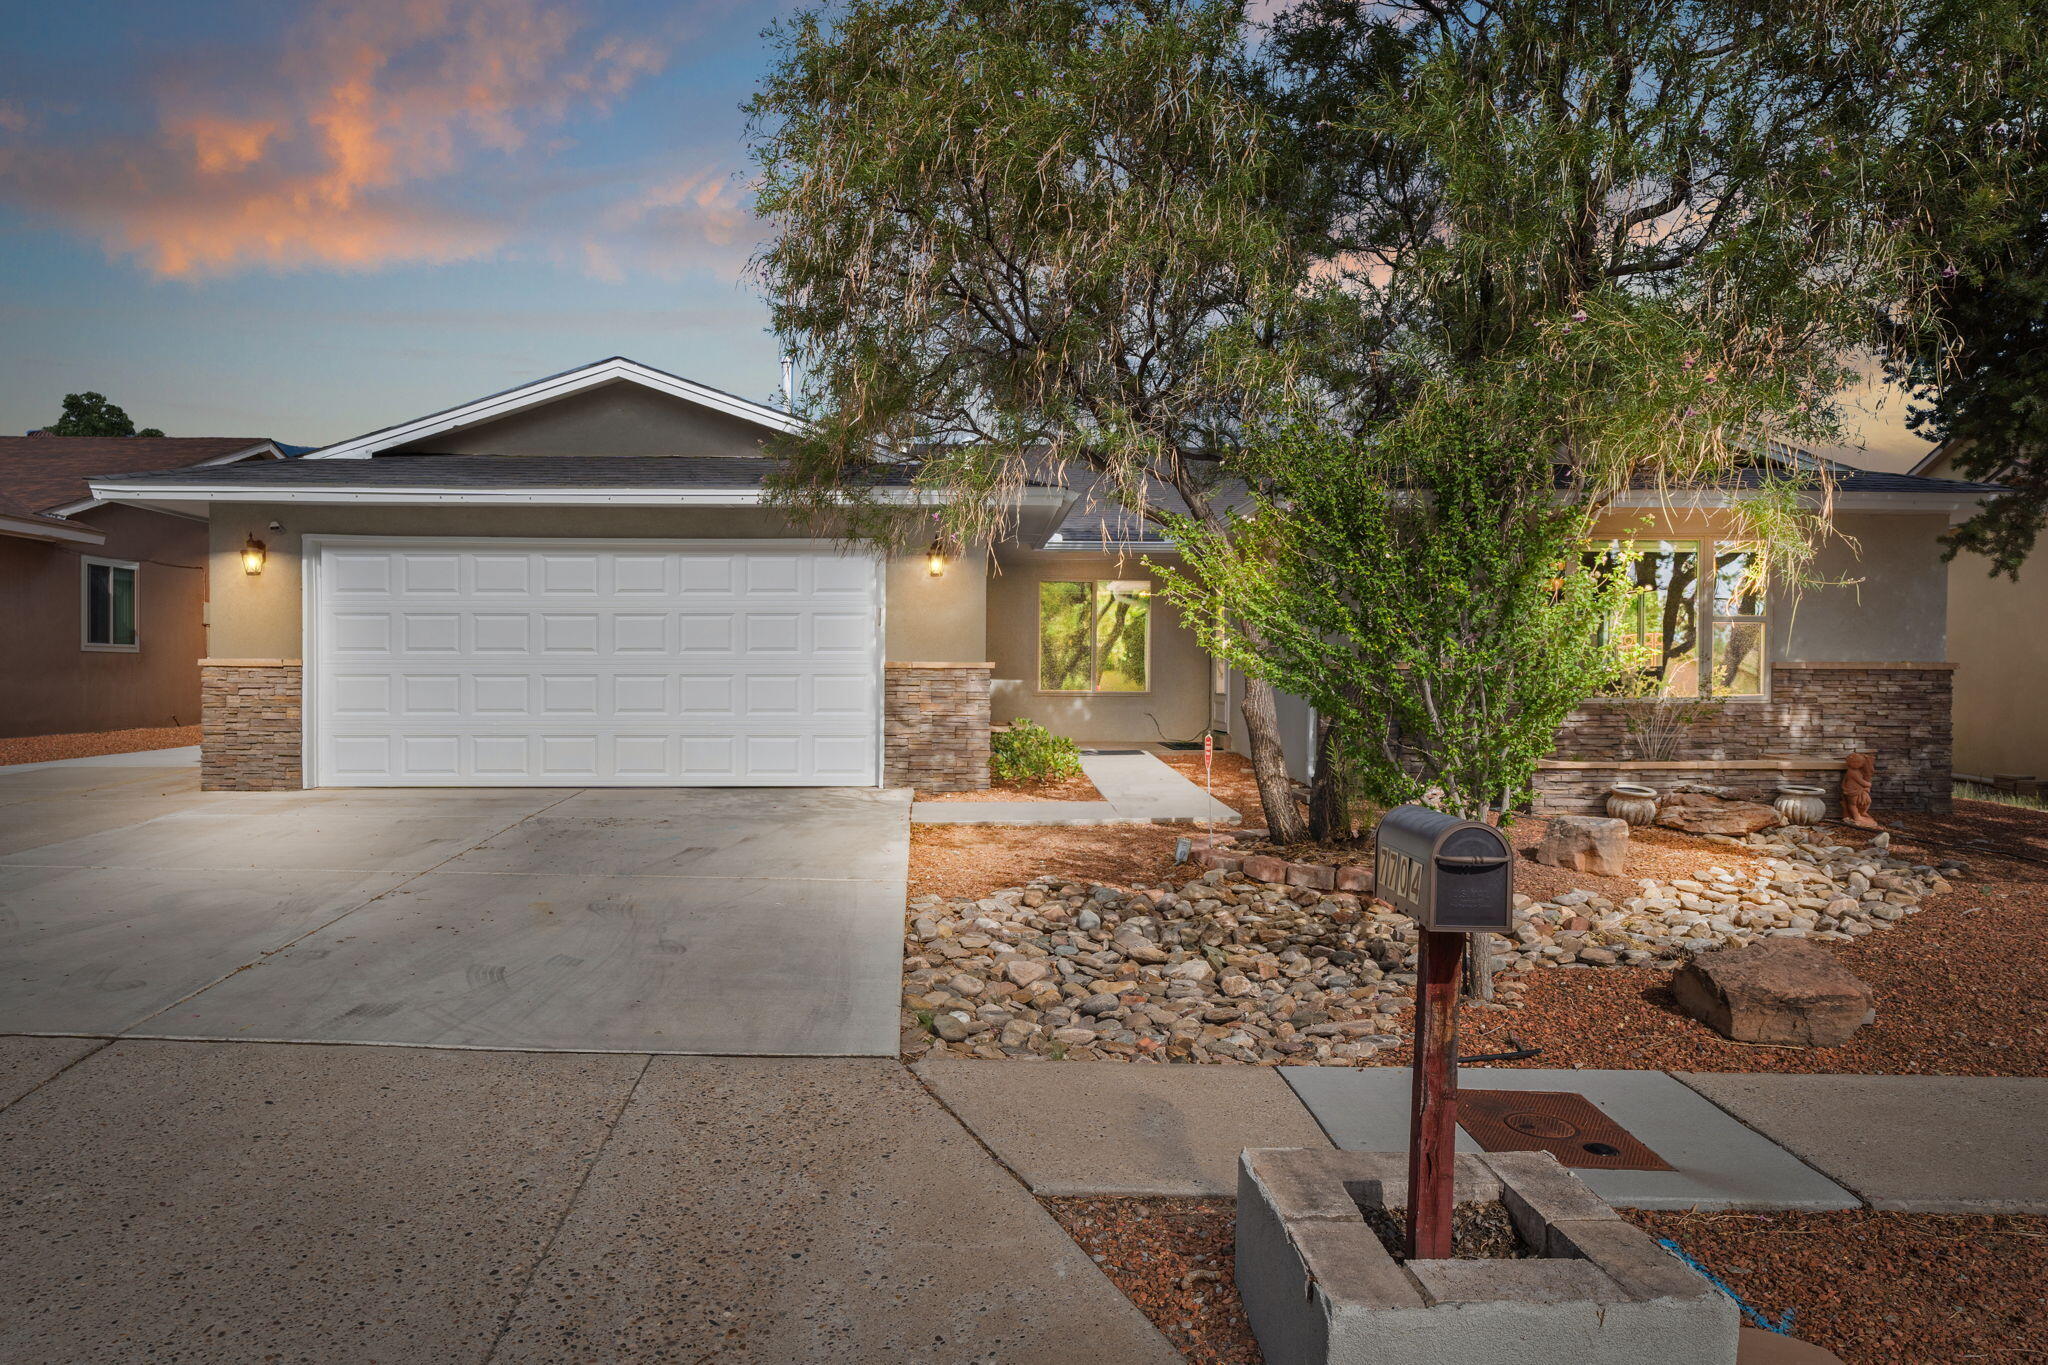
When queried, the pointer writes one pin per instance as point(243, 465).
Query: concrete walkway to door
point(1137, 789)
point(756, 921)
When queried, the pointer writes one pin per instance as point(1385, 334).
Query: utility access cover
point(1558, 1122)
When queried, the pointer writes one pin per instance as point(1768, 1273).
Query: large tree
point(90, 414)
point(1019, 238)
point(1144, 238)
point(1980, 360)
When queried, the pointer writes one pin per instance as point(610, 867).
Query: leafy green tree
point(1024, 237)
point(90, 414)
point(1980, 362)
point(1408, 588)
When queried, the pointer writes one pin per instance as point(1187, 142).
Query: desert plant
point(1028, 752)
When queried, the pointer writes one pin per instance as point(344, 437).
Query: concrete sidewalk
point(237, 1201)
point(1919, 1143)
point(1137, 789)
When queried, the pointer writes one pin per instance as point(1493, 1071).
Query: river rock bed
point(1221, 969)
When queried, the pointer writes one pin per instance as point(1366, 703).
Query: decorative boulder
point(1586, 843)
point(1782, 991)
point(1700, 813)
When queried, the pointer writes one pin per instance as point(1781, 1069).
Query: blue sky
point(307, 220)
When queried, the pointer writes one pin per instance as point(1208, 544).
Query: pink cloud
point(342, 152)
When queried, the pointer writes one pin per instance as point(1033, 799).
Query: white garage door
point(558, 663)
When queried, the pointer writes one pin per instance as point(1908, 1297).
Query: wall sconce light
point(253, 554)
point(935, 560)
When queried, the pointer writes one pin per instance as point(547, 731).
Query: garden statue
point(1858, 770)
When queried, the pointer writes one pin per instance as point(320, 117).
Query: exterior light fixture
point(253, 554)
point(935, 560)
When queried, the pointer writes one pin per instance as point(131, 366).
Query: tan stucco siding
point(1881, 594)
point(1178, 699)
point(612, 419)
point(258, 617)
point(1998, 632)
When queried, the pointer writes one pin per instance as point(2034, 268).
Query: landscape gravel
point(1875, 1288)
point(1216, 968)
point(49, 748)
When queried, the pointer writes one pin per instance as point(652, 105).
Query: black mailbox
point(1451, 875)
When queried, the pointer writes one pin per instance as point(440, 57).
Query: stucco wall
point(48, 684)
point(1998, 636)
point(931, 620)
point(611, 419)
point(1882, 594)
point(1178, 699)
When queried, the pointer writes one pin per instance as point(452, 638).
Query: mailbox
point(1451, 875)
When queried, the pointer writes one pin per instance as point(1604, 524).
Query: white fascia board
point(31, 528)
point(547, 390)
point(262, 450)
point(399, 497)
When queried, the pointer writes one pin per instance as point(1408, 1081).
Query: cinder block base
point(1319, 1287)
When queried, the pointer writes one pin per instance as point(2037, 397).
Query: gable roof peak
point(519, 398)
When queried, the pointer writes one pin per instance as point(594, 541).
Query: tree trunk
point(1329, 814)
point(1269, 764)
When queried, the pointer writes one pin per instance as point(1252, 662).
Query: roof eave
point(496, 405)
point(49, 529)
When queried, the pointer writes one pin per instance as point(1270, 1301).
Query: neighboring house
point(1998, 636)
point(103, 604)
point(577, 582)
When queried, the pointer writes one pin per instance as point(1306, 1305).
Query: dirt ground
point(47, 748)
point(1875, 1288)
point(1962, 987)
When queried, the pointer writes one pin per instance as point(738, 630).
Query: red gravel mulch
point(47, 748)
point(1875, 1288)
point(1075, 788)
point(1962, 987)
point(974, 860)
point(1174, 1259)
point(1231, 783)
point(1881, 1288)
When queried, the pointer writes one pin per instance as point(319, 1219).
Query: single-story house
point(578, 582)
point(104, 603)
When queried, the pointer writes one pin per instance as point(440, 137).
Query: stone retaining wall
point(249, 717)
point(935, 726)
point(1899, 712)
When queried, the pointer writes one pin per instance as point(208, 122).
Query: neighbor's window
point(1095, 636)
point(109, 605)
point(1683, 640)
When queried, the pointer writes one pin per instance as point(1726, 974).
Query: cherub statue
point(1858, 772)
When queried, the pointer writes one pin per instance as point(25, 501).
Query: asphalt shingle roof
point(42, 472)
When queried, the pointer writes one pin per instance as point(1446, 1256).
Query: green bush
point(1028, 752)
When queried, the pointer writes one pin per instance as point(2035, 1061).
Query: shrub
point(1028, 752)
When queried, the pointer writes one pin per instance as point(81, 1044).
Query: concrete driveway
point(670, 921)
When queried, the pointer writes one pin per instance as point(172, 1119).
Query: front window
point(109, 605)
point(1681, 640)
point(1095, 636)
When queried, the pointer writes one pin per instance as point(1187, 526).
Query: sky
point(306, 219)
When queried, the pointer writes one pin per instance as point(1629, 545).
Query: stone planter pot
point(1632, 802)
point(1802, 805)
point(1319, 1285)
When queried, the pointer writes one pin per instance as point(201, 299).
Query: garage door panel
point(592, 665)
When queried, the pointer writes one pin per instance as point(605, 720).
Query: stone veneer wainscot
point(1816, 714)
point(935, 726)
point(250, 724)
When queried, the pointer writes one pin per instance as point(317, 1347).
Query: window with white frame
point(108, 615)
point(1095, 636)
point(1695, 623)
